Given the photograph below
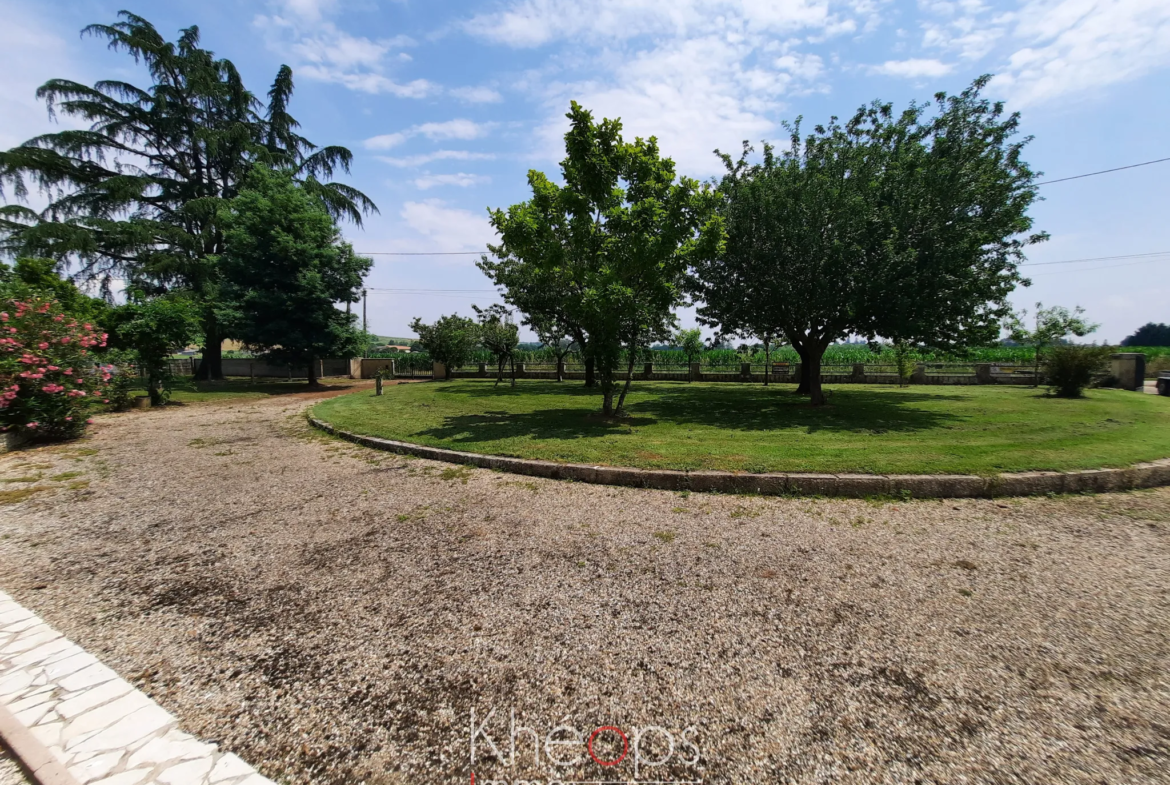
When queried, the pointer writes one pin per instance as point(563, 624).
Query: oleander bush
point(50, 375)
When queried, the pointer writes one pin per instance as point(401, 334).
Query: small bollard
point(377, 385)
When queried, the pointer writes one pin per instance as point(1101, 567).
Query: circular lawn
point(739, 427)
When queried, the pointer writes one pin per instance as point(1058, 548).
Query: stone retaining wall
point(923, 486)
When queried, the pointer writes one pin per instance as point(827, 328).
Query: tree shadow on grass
point(736, 408)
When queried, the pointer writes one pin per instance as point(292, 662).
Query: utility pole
point(365, 329)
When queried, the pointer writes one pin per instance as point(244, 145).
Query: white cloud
point(914, 68)
point(698, 74)
point(477, 95)
point(321, 51)
point(451, 129)
point(1073, 46)
point(527, 23)
point(448, 228)
point(411, 161)
point(461, 180)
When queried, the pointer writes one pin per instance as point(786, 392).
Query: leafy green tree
point(1051, 326)
point(542, 289)
point(285, 268)
point(29, 277)
point(611, 246)
point(152, 329)
point(556, 339)
point(691, 344)
point(909, 227)
point(451, 340)
point(139, 194)
point(499, 336)
point(1149, 335)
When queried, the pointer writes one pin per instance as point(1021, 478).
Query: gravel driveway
point(334, 615)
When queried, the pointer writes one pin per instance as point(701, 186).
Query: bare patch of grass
point(18, 495)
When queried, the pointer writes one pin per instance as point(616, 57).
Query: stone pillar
point(519, 370)
point(393, 368)
point(483, 369)
point(983, 373)
point(355, 368)
point(696, 373)
point(919, 375)
point(858, 373)
point(745, 370)
point(560, 369)
point(648, 370)
point(1129, 368)
point(438, 370)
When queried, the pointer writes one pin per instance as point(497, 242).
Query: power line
point(1097, 259)
point(1103, 171)
point(1105, 267)
point(419, 253)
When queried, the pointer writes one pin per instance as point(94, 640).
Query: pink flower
point(42, 345)
point(33, 424)
point(89, 326)
point(58, 318)
point(3, 316)
point(68, 419)
point(68, 371)
point(54, 368)
point(65, 339)
point(90, 421)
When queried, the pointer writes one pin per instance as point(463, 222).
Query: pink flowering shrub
point(50, 376)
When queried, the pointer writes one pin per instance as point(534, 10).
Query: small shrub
point(1070, 368)
point(49, 376)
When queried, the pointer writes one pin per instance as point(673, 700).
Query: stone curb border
point(70, 720)
point(920, 486)
point(33, 757)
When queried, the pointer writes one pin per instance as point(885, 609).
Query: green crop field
point(739, 427)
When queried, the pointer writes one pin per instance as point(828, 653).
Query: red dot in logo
point(625, 746)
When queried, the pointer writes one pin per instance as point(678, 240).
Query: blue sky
point(447, 105)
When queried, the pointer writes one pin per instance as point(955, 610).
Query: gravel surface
point(334, 615)
point(10, 773)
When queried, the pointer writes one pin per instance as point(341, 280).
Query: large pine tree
point(139, 194)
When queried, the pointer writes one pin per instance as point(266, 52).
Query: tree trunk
point(607, 399)
point(312, 371)
point(590, 377)
point(153, 385)
point(211, 361)
point(767, 361)
point(813, 376)
point(500, 370)
point(802, 387)
point(625, 389)
point(512, 360)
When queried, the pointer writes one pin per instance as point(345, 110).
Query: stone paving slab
point(97, 725)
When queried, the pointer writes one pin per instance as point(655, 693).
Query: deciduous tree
point(909, 227)
point(613, 244)
point(451, 340)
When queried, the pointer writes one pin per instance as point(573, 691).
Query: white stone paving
point(103, 730)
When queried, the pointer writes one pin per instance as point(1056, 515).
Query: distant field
point(675, 425)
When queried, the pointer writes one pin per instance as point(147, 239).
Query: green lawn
point(188, 391)
point(867, 428)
